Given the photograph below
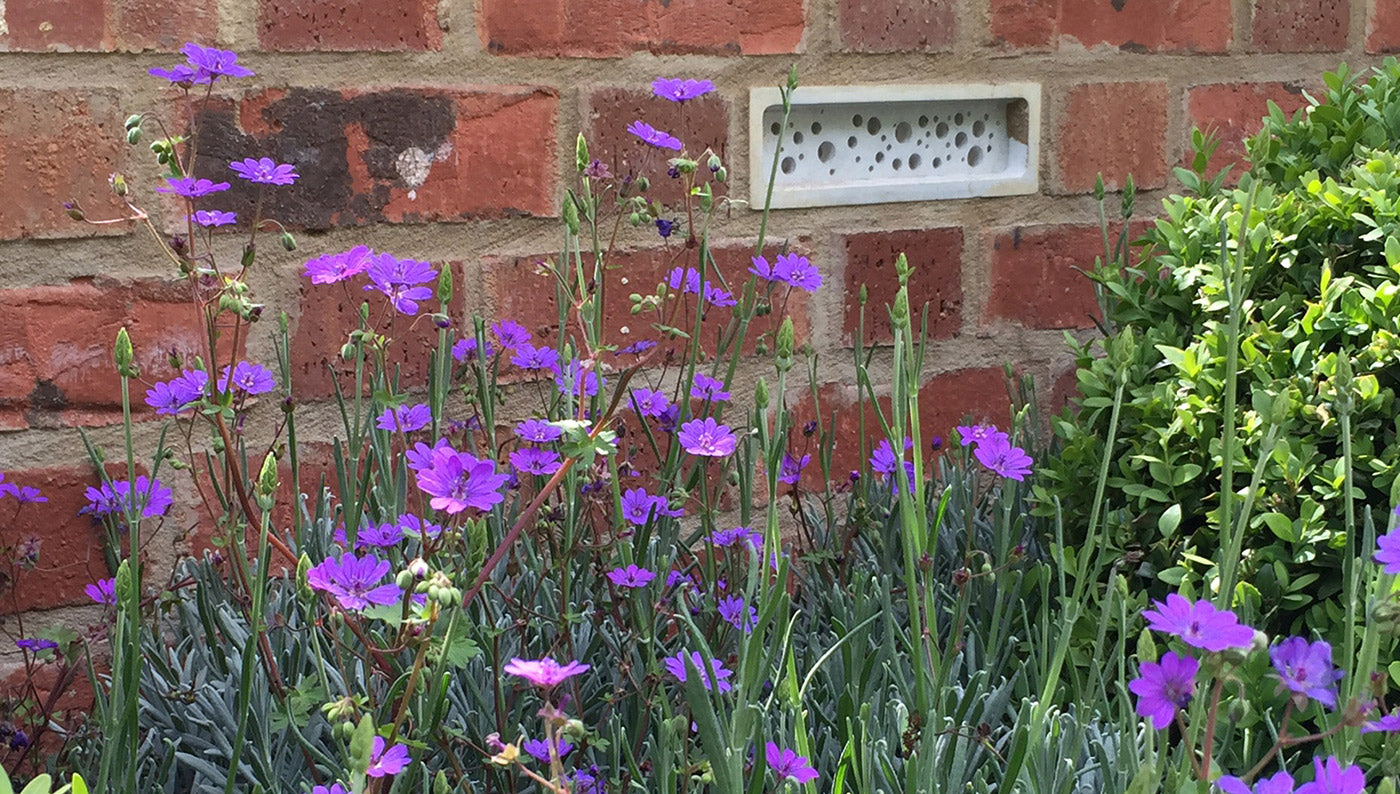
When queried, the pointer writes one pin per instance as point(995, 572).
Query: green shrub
point(1317, 270)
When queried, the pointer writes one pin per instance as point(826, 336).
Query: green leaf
point(1281, 526)
point(39, 785)
point(1169, 520)
point(461, 651)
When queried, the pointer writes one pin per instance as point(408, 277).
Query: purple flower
point(265, 171)
point(248, 378)
point(797, 271)
point(35, 644)
point(1165, 688)
point(654, 137)
point(883, 460)
point(102, 591)
point(214, 217)
point(1390, 723)
point(791, 469)
point(530, 460)
point(414, 528)
point(638, 347)
point(708, 388)
point(1389, 553)
point(380, 536)
point(467, 348)
point(637, 505)
point(354, 582)
point(631, 576)
point(189, 187)
point(398, 279)
point(335, 788)
point(718, 297)
point(210, 64)
point(511, 334)
point(531, 357)
point(998, 455)
point(731, 609)
point(664, 227)
point(331, 268)
point(537, 431)
point(113, 498)
point(539, 749)
point(1306, 669)
point(707, 438)
point(179, 74)
point(676, 89)
point(976, 434)
point(787, 763)
point(420, 456)
point(24, 494)
point(763, 269)
point(686, 279)
point(165, 399)
point(716, 678)
point(1281, 783)
point(724, 538)
point(1198, 624)
point(545, 673)
point(1330, 777)
point(649, 403)
point(574, 380)
point(457, 480)
point(384, 762)
point(405, 418)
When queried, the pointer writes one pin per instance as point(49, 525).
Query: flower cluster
point(993, 449)
point(793, 270)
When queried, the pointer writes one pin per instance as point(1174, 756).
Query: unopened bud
point(133, 136)
point(760, 394)
point(74, 211)
point(419, 568)
point(118, 183)
point(571, 214)
point(288, 241)
point(581, 153)
point(444, 285)
point(250, 253)
point(267, 477)
point(902, 268)
point(123, 354)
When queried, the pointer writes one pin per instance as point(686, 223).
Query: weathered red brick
point(613, 28)
point(935, 254)
point(56, 347)
point(105, 25)
point(57, 146)
point(702, 124)
point(1383, 27)
point(1036, 278)
point(518, 292)
point(70, 545)
point(1130, 25)
point(1063, 389)
point(400, 155)
point(1234, 111)
point(349, 25)
point(1301, 25)
point(329, 312)
point(1115, 129)
point(64, 692)
point(944, 402)
point(897, 25)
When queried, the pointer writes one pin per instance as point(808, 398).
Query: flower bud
point(785, 338)
point(267, 477)
point(714, 164)
point(134, 120)
point(74, 211)
point(899, 312)
point(642, 184)
point(118, 183)
point(289, 243)
point(581, 153)
point(722, 175)
point(404, 580)
point(123, 354)
point(571, 214)
point(250, 253)
point(792, 78)
point(864, 295)
point(902, 268)
point(125, 583)
point(1098, 187)
point(419, 568)
point(133, 136)
point(444, 285)
point(303, 569)
point(760, 394)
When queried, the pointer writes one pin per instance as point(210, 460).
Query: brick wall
point(490, 95)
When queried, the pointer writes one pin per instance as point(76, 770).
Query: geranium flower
point(576, 381)
point(708, 388)
point(400, 280)
point(214, 217)
point(650, 403)
point(210, 64)
point(535, 358)
point(680, 90)
point(707, 438)
point(976, 434)
point(511, 333)
point(1280, 783)
point(685, 279)
point(331, 268)
point(631, 576)
point(539, 749)
point(654, 137)
point(1390, 723)
point(731, 609)
point(716, 678)
point(797, 271)
point(35, 644)
point(466, 349)
point(420, 456)
point(457, 481)
point(113, 498)
point(189, 187)
point(405, 418)
point(248, 378)
point(335, 788)
point(1198, 624)
point(264, 171)
point(1164, 688)
point(530, 460)
point(386, 761)
point(1389, 553)
point(717, 297)
point(1330, 777)
point(102, 591)
point(1307, 669)
point(791, 469)
point(354, 582)
point(786, 763)
point(538, 431)
point(545, 673)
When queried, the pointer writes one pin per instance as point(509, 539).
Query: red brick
point(106, 25)
point(57, 146)
point(64, 697)
point(56, 347)
point(1301, 25)
point(70, 545)
point(1130, 25)
point(1115, 129)
point(518, 292)
point(163, 25)
point(614, 28)
point(701, 124)
point(1036, 278)
point(1063, 389)
point(944, 401)
point(39, 25)
point(897, 25)
point(935, 254)
point(349, 25)
point(1235, 111)
point(402, 155)
point(1383, 27)
point(329, 312)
